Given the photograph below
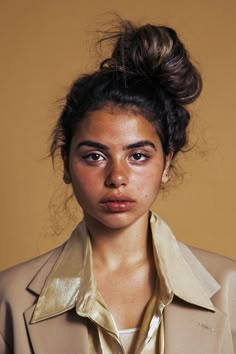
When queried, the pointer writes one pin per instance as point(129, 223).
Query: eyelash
point(90, 157)
point(144, 157)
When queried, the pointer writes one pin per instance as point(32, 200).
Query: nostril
point(115, 180)
point(116, 174)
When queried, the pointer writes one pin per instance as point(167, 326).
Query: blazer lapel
point(66, 333)
point(190, 329)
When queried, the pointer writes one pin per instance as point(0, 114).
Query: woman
point(122, 283)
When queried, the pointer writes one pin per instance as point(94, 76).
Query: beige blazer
point(188, 329)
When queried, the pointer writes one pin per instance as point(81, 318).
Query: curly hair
point(149, 72)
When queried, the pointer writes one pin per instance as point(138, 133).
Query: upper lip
point(116, 198)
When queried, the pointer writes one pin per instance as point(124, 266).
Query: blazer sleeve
point(232, 307)
point(6, 335)
point(4, 349)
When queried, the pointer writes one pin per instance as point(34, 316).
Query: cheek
point(149, 185)
point(148, 179)
point(81, 177)
point(80, 184)
point(83, 194)
point(86, 185)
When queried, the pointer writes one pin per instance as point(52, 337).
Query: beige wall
point(44, 45)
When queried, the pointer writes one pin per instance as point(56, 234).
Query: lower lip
point(115, 206)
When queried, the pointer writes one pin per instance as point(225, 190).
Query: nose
point(116, 175)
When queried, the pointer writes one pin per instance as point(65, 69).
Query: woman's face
point(115, 165)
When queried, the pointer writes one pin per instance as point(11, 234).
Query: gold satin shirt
point(71, 284)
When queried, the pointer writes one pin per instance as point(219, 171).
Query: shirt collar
point(71, 282)
point(192, 284)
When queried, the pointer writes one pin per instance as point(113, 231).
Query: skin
point(115, 165)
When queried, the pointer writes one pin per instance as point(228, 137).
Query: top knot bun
point(149, 72)
point(155, 52)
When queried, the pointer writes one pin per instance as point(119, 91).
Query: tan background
point(44, 46)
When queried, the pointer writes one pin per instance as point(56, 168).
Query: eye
point(138, 156)
point(94, 157)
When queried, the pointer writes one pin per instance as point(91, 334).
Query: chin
point(113, 221)
point(116, 222)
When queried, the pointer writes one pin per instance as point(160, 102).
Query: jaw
point(115, 223)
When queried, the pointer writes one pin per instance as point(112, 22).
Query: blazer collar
point(61, 334)
point(38, 281)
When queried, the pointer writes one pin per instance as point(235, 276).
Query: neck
point(113, 247)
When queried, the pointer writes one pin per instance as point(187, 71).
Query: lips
point(117, 204)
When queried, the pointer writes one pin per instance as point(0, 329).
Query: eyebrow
point(97, 145)
point(141, 143)
point(93, 144)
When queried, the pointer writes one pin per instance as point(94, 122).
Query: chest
point(126, 294)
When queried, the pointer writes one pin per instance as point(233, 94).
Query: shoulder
point(19, 288)
point(221, 268)
point(215, 263)
point(16, 279)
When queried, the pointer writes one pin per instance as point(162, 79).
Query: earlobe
point(66, 177)
point(166, 176)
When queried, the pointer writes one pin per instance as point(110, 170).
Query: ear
point(66, 175)
point(165, 175)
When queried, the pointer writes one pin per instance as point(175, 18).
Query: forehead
point(116, 127)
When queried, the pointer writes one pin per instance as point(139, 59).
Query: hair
point(149, 72)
